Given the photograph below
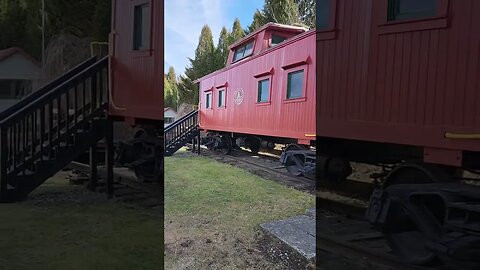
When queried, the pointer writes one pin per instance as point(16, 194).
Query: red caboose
point(265, 95)
point(136, 94)
point(401, 73)
point(398, 84)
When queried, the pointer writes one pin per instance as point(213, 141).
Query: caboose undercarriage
point(299, 160)
point(427, 212)
point(144, 152)
point(426, 219)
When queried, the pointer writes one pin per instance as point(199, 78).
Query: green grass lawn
point(59, 228)
point(213, 212)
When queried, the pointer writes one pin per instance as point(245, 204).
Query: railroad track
point(342, 230)
point(265, 166)
point(126, 187)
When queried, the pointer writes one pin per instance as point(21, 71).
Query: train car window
point(141, 27)
point(221, 98)
point(208, 101)
point(411, 9)
point(295, 84)
point(243, 51)
point(277, 39)
point(323, 14)
point(263, 87)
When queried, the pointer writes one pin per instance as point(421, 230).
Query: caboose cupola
point(261, 40)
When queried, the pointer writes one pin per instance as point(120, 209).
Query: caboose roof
point(271, 25)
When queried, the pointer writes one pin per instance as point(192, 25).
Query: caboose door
point(137, 59)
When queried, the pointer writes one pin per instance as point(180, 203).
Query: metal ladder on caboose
point(49, 128)
point(180, 132)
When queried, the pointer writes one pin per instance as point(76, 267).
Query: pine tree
point(201, 65)
point(237, 31)
point(221, 52)
point(259, 19)
point(13, 25)
point(168, 93)
point(171, 76)
point(102, 20)
point(307, 10)
point(282, 11)
point(171, 89)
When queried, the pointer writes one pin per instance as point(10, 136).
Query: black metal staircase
point(180, 132)
point(48, 129)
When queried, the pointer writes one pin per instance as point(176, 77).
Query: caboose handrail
point(46, 88)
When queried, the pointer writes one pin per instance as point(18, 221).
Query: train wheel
point(408, 241)
point(210, 141)
point(296, 163)
point(227, 144)
point(254, 146)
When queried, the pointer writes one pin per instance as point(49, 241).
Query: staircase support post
point(109, 156)
point(3, 165)
point(198, 140)
point(92, 184)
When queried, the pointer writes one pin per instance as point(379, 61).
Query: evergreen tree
point(171, 76)
point(169, 96)
point(259, 19)
point(13, 25)
point(221, 52)
point(171, 89)
point(282, 11)
point(201, 65)
point(307, 10)
point(237, 31)
point(102, 20)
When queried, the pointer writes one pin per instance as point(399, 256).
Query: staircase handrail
point(47, 95)
point(46, 88)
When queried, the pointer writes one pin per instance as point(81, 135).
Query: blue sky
point(184, 20)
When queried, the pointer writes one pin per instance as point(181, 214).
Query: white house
point(169, 116)
point(19, 75)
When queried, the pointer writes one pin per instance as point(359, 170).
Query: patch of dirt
point(190, 248)
point(77, 195)
point(58, 190)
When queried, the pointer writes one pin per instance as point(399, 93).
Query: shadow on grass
point(66, 227)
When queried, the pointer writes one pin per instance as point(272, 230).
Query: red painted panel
point(137, 76)
point(280, 117)
point(401, 82)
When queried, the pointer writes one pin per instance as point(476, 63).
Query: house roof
point(168, 109)
point(6, 53)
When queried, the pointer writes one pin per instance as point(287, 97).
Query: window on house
point(295, 84)
point(323, 14)
point(277, 39)
point(169, 120)
point(208, 101)
point(221, 98)
point(243, 51)
point(411, 9)
point(141, 27)
point(263, 87)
